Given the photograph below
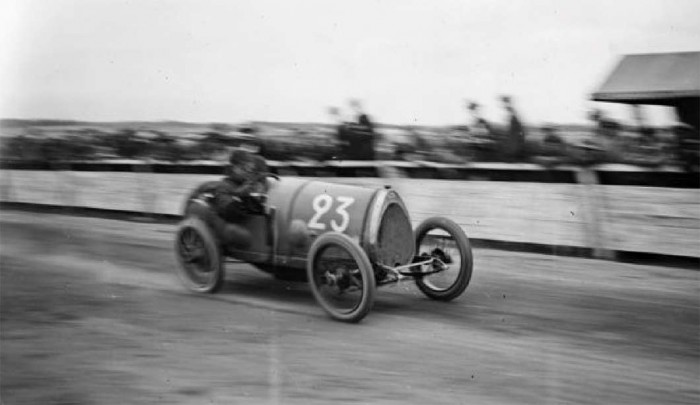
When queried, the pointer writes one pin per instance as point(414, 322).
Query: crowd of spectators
point(352, 135)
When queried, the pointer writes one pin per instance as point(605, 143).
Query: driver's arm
point(227, 198)
point(233, 201)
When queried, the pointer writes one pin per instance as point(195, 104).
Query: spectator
point(606, 129)
point(481, 133)
point(515, 139)
point(553, 146)
point(419, 145)
point(647, 134)
point(363, 121)
point(551, 137)
point(687, 146)
point(361, 134)
point(342, 133)
point(606, 134)
point(480, 127)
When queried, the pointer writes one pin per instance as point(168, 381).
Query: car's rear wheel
point(341, 277)
point(200, 267)
point(444, 240)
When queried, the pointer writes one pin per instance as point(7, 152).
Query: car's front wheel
point(341, 277)
point(444, 241)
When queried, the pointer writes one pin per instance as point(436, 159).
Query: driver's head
point(242, 165)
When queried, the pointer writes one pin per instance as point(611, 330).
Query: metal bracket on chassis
point(412, 270)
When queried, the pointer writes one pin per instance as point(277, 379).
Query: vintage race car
point(345, 240)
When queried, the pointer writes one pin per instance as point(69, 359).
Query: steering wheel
point(257, 196)
point(255, 202)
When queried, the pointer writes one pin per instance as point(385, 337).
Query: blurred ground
point(92, 312)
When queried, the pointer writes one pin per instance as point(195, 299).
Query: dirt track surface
point(92, 313)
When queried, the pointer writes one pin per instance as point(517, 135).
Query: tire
point(462, 272)
point(200, 267)
point(335, 262)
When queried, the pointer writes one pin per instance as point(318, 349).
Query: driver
point(245, 178)
point(235, 197)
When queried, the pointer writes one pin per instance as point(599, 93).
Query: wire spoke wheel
point(341, 277)
point(200, 266)
point(445, 242)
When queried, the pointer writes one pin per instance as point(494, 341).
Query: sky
point(410, 62)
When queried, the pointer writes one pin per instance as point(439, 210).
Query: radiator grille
point(395, 241)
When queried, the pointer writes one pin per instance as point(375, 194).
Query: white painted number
point(344, 203)
point(322, 204)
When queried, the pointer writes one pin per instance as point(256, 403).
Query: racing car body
point(344, 239)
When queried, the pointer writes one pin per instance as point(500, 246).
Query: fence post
point(6, 193)
point(65, 192)
point(594, 219)
point(145, 187)
point(388, 172)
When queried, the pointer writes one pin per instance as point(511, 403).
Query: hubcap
point(447, 259)
point(338, 281)
point(194, 256)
